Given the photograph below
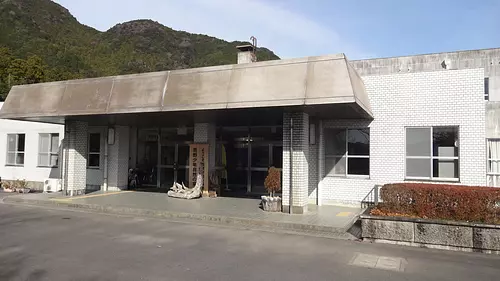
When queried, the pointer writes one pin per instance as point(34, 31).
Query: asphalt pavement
point(56, 244)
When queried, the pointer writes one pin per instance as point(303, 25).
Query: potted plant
point(272, 183)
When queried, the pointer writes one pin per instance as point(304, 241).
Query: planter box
point(451, 235)
point(271, 204)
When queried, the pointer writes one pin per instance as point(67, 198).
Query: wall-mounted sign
point(152, 137)
point(198, 156)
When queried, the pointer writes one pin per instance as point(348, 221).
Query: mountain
point(41, 41)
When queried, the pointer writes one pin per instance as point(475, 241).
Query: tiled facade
point(444, 97)
point(440, 98)
point(300, 161)
point(75, 165)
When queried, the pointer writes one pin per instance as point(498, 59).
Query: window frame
point(15, 151)
point(347, 156)
point(431, 157)
point(486, 88)
point(49, 153)
point(488, 159)
point(89, 153)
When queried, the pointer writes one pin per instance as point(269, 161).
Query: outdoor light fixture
point(111, 135)
point(312, 133)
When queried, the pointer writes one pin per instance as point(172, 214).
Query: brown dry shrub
point(441, 201)
point(273, 181)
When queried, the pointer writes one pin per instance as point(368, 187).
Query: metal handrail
point(372, 198)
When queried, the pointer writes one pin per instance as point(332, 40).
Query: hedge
point(440, 201)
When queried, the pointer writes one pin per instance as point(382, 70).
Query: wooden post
point(198, 157)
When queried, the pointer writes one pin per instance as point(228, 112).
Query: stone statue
point(184, 192)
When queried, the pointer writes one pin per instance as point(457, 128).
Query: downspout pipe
point(290, 194)
point(65, 160)
point(105, 174)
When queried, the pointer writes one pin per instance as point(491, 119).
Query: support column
point(132, 163)
point(118, 158)
point(206, 133)
point(75, 157)
point(321, 163)
point(300, 162)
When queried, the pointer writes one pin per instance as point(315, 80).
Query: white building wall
point(30, 171)
point(440, 98)
point(118, 159)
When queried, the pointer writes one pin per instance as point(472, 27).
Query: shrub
point(440, 201)
point(273, 181)
point(20, 184)
point(7, 185)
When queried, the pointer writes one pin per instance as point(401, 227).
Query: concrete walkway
point(330, 221)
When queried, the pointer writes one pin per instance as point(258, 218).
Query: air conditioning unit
point(52, 185)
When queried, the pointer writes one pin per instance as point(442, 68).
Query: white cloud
point(288, 33)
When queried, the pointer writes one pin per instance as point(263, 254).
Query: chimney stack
point(246, 52)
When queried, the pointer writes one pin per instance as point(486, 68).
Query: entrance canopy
point(327, 84)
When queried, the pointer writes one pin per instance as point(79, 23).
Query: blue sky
point(298, 28)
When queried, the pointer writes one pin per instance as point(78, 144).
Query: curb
point(255, 224)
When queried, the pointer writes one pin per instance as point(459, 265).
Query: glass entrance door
point(250, 151)
point(174, 164)
point(182, 167)
point(260, 163)
point(238, 168)
point(166, 166)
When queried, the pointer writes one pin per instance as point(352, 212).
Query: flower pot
point(271, 204)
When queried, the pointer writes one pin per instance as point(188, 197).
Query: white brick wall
point(76, 156)
point(313, 166)
point(301, 160)
point(441, 98)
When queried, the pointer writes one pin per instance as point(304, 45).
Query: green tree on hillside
point(5, 61)
point(16, 71)
point(29, 71)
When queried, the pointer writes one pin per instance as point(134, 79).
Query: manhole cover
point(379, 262)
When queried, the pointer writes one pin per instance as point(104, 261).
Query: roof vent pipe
point(247, 52)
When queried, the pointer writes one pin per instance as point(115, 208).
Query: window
point(94, 157)
point(48, 150)
point(493, 169)
point(432, 153)
point(486, 88)
point(15, 149)
point(347, 152)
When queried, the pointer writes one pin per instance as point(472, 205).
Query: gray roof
point(284, 83)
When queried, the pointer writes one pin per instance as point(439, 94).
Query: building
point(30, 151)
point(349, 125)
